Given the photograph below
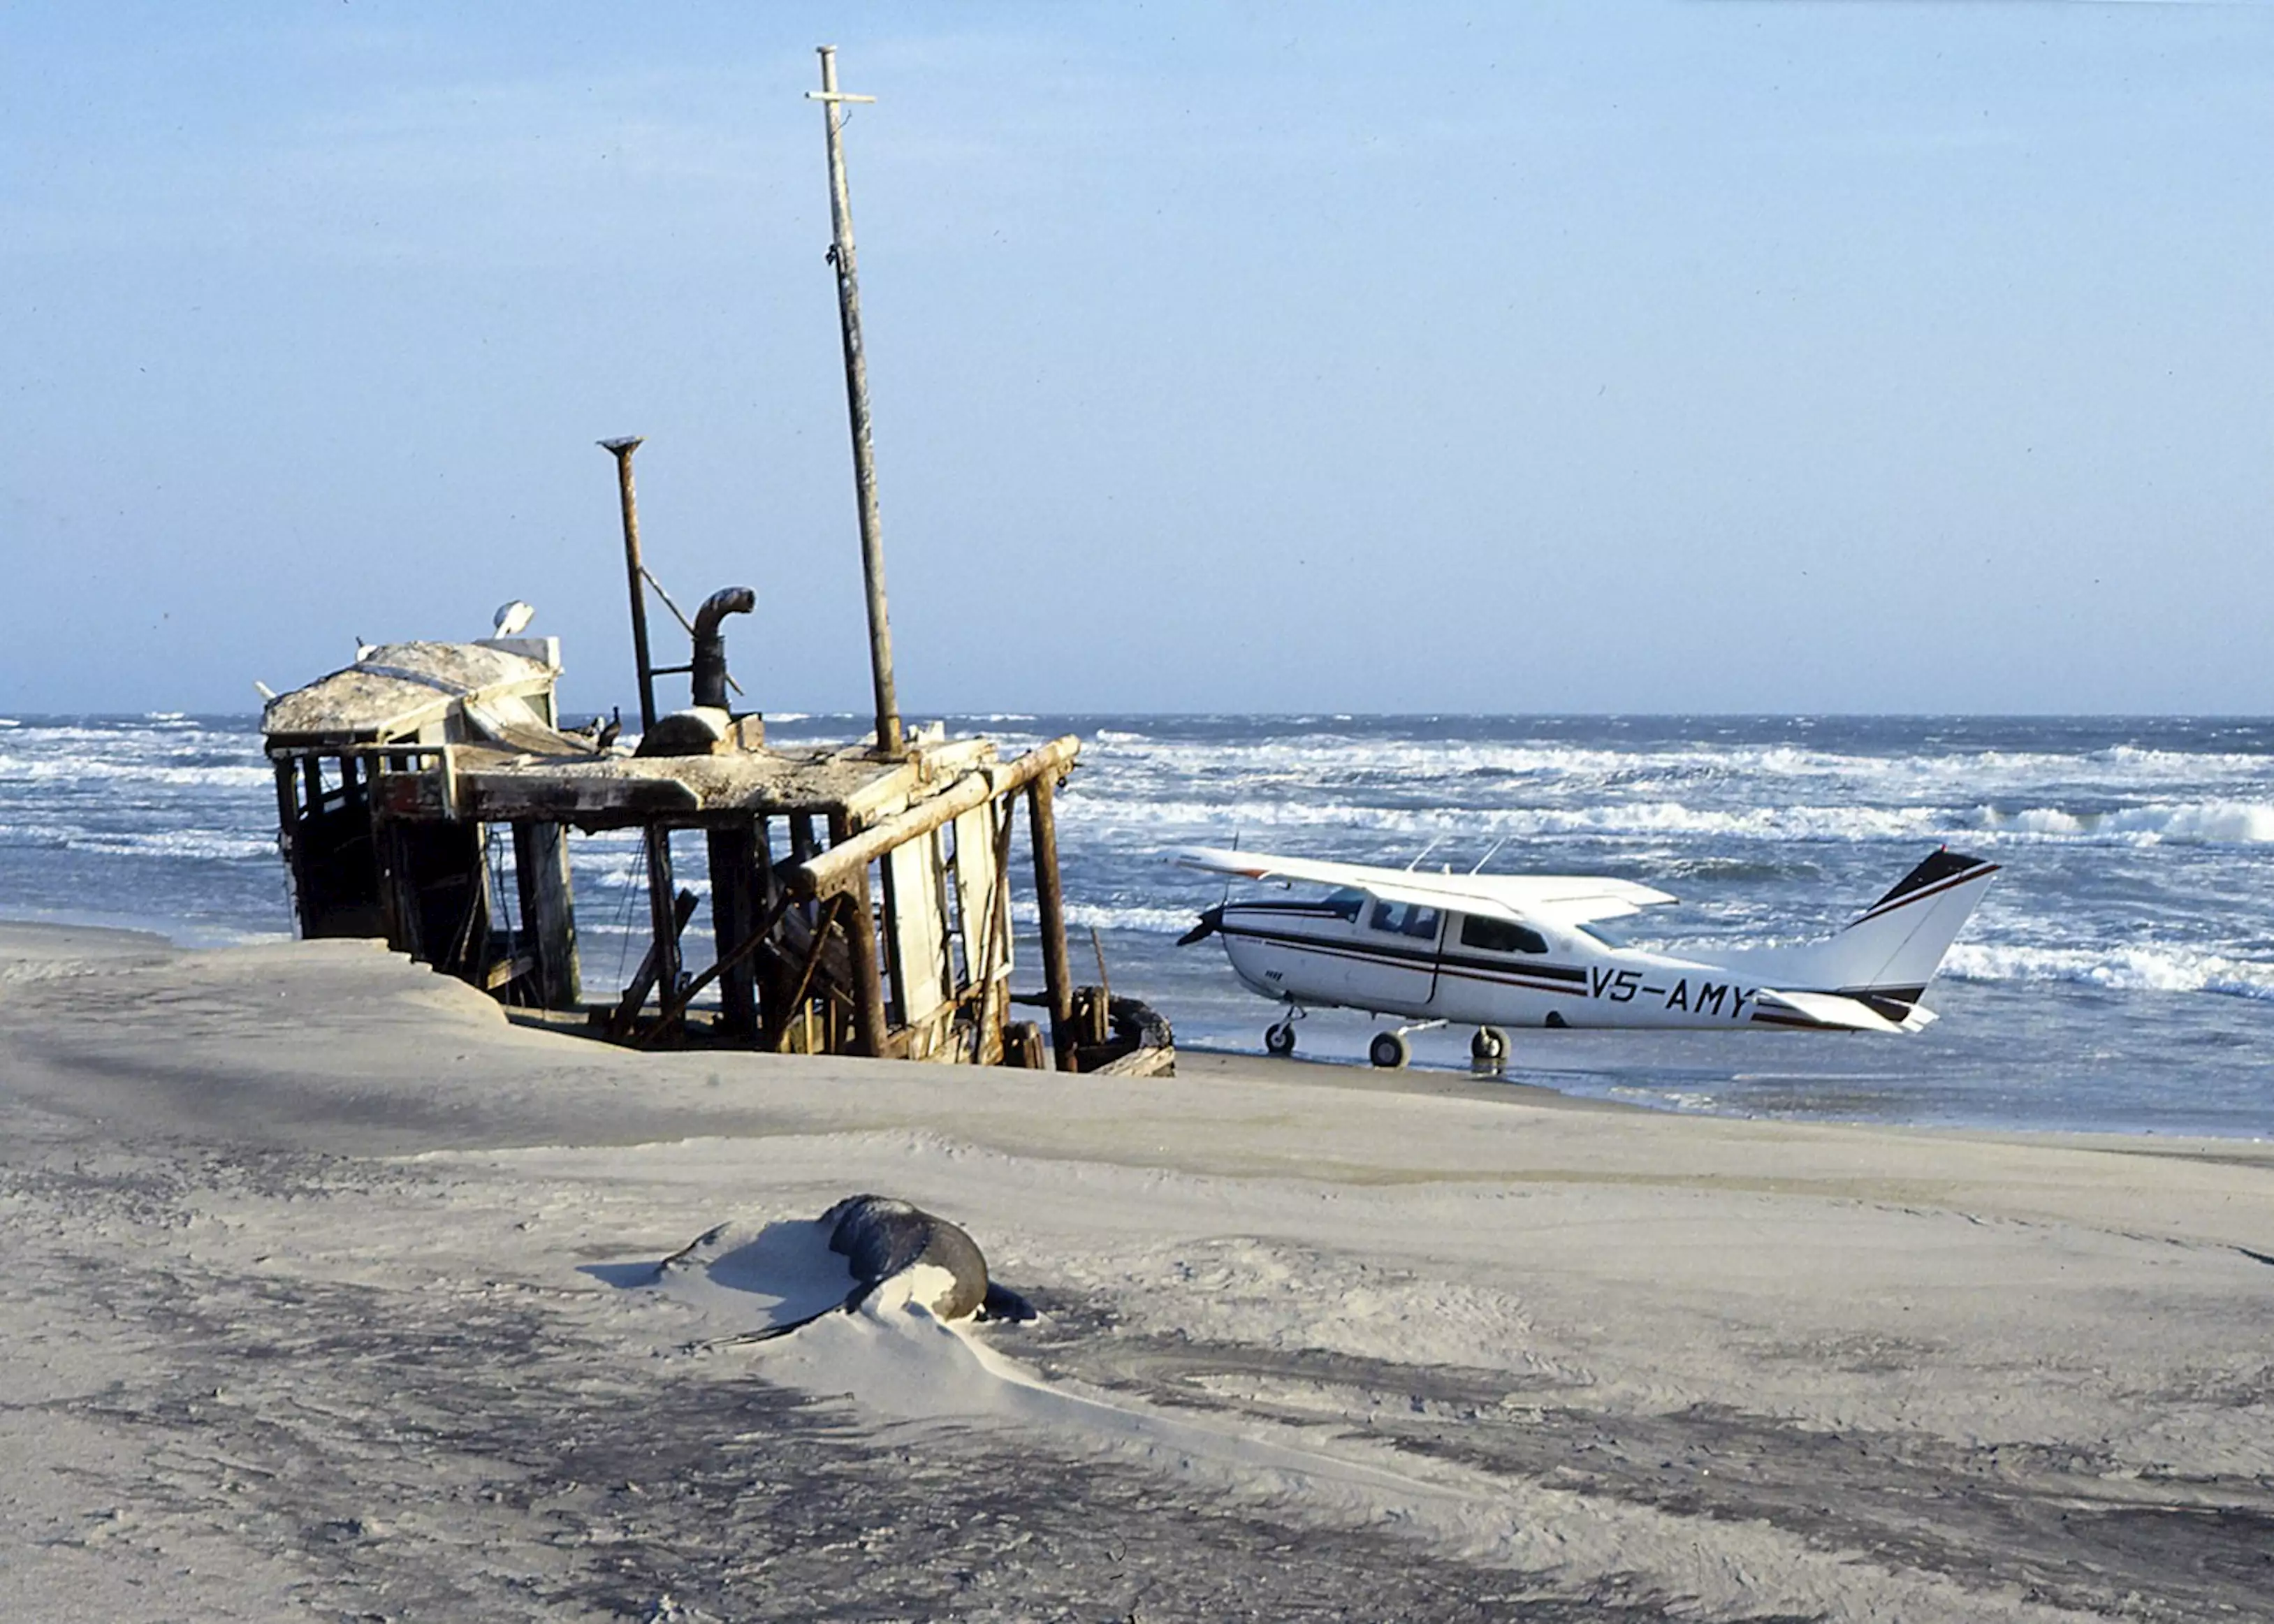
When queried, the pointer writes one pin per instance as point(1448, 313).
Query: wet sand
point(320, 1266)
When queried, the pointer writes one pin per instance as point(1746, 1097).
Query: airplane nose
point(1210, 922)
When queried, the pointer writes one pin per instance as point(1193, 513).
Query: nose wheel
point(1390, 1050)
point(1489, 1046)
point(1279, 1037)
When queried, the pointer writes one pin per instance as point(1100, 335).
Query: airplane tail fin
point(1885, 956)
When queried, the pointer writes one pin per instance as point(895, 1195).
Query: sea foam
point(2127, 969)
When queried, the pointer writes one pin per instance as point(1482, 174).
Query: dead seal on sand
point(886, 1240)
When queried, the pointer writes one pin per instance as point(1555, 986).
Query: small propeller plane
point(1499, 951)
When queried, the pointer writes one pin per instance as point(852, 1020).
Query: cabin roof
point(397, 689)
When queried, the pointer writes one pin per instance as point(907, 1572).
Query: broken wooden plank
point(831, 869)
point(628, 1008)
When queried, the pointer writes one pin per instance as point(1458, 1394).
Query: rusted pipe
point(708, 667)
point(621, 450)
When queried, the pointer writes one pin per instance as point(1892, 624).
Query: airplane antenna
point(1487, 857)
point(1423, 853)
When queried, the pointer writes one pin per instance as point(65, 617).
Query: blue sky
point(1712, 355)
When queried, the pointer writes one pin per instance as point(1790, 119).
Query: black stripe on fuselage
point(1558, 978)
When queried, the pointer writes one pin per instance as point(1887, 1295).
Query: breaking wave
point(2210, 823)
point(2202, 822)
point(1174, 922)
point(227, 845)
point(1663, 817)
point(1308, 758)
point(81, 768)
point(2123, 969)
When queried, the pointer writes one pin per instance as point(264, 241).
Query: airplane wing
point(1562, 899)
point(1565, 898)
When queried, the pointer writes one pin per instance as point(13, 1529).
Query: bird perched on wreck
point(512, 619)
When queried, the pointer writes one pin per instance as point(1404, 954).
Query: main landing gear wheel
point(1489, 1047)
point(1388, 1050)
point(1279, 1040)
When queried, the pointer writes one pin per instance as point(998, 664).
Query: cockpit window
point(1500, 936)
point(1406, 919)
point(1346, 901)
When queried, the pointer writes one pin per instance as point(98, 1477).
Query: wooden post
point(737, 901)
point(540, 867)
point(856, 401)
point(662, 908)
point(626, 1018)
point(288, 831)
point(661, 886)
point(1050, 901)
point(860, 940)
point(621, 450)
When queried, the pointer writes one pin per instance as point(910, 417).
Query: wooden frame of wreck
point(859, 905)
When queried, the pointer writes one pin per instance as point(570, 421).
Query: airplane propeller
point(1210, 922)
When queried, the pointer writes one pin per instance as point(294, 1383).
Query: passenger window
point(1499, 935)
point(1406, 919)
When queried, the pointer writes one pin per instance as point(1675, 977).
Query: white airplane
point(1496, 951)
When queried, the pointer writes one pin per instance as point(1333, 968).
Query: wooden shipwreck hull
point(860, 903)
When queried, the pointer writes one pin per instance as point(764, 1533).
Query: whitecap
point(2125, 969)
point(1164, 920)
point(2198, 823)
point(1649, 818)
point(208, 844)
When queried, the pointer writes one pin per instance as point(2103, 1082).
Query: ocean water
point(2120, 975)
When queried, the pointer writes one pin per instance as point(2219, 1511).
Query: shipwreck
point(859, 894)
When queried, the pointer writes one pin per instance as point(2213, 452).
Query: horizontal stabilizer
point(1827, 1010)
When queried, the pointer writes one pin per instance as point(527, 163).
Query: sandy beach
point(331, 1299)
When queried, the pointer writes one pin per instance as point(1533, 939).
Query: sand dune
point(330, 1298)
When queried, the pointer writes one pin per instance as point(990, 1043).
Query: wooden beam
point(861, 937)
point(288, 826)
point(628, 1008)
point(676, 1005)
point(1049, 902)
point(815, 953)
point(737, 888)
point(833, 868)
point(540, 867)
point(661, 890)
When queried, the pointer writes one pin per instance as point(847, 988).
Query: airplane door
point(1394, 969)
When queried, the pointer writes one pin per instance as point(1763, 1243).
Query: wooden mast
point(856, 401)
